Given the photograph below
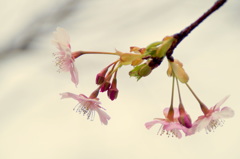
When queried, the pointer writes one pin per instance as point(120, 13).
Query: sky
point(35, 123)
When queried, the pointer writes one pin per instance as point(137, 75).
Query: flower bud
point(140, 71)
point(134, 71)
point(136, 62)
point(145, 70)
point(162, 50)
point(105, 86)
point(100, 79)
point(185, 120)
point(113, 91)
point(101, 76)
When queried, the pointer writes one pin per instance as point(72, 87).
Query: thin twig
point(184, 33)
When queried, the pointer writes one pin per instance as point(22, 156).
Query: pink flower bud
point(105, 86)
point(101, 76)
point(185, 120)
point(112, 93)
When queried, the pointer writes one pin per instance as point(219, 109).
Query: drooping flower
point(88, 106)
point(212, 118)
point(64, 58)
point(171, 127)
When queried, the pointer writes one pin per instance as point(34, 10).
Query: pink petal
point(173, 125)
point(174, 128)
point(202, 123)
point(94, 102)
point(104, 117)
point(70, 95)
point(148, 125)
point(74, 74)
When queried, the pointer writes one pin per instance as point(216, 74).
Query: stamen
point(160, 130)
point(172, 133)
point(213, 125)
point(83, 108)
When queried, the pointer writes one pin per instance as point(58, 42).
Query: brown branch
point(184, 33)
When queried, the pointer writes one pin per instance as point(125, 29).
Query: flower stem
point(96, 52)
point(172, 92)
point(113, 70)
point(184, 33)
point(204, 108)
point(179, 94)
point(199, 101)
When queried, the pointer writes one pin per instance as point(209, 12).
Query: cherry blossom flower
point(64, 58)
point(170, 127)
point(212, 118)
point(88, 106)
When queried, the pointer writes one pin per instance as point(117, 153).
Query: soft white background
point(36, 124)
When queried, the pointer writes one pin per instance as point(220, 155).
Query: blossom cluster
point(143, 61)
point(178, 121)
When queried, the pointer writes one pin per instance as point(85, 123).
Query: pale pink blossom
point(171, 128)
point(213, 118)
point(88, 106)
point(64, 58)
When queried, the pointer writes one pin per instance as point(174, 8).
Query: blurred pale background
point(36, 124)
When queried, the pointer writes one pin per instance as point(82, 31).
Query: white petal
point(203, 123)
point(61, 36)
point(61, 40)
point(226, 112)
point(221, 102)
